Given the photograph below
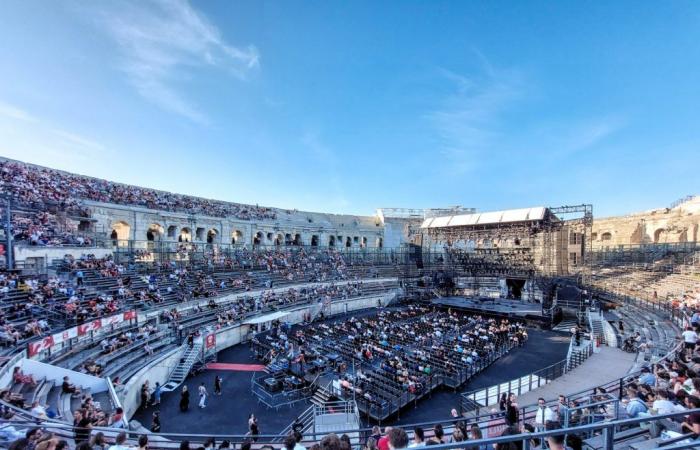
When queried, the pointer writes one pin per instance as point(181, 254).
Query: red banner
point(210, 341)
point(40, 346)
point(88, 327)
point(130, 315)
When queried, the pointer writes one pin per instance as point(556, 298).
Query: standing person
point(155, 423)
point(202, 396)
point(503, 402)
point(543, 415)
point(156, 394)
point(253, 428)
point(184, 399)
point(81, 426)
point(217, 385)
point(690, 337)
point(512, 412)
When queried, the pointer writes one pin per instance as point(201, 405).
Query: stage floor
point(497, 305)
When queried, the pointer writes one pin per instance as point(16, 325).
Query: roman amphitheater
point(129, 312)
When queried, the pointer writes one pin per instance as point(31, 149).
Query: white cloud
point(26, 137)
point(161, 40)
point(15, 113)
point(467, 121)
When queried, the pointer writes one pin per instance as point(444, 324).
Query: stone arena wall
point(658, 226)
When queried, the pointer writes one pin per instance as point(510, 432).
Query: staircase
point(322, 396)
point(565, 325)
point(597, 331)
point(178, 375)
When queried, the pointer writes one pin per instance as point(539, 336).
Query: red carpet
point(238, 367)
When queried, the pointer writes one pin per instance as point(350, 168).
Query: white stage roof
point(486, 218)
point(266, 318)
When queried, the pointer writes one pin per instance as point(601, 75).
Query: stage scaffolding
point(553, 245)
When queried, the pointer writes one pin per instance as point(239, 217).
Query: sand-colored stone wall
point(664, 225)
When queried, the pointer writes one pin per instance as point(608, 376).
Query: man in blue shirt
point(647, 377)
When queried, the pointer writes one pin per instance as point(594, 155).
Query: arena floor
point(228, 413)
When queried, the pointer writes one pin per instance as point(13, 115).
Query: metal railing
point(607, 430)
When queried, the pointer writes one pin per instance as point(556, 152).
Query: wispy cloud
point(467, 121)
point(28, 137)
point(161, 40)
point(13, 112)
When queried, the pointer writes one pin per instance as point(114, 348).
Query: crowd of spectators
point(42, 187)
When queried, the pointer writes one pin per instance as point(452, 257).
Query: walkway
point(600, 368)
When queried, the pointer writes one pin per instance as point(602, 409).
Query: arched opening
point(606, 237)
point(279, 239)
point(683, 236)
point(356, 240)
point(199, 233)
point(154, 232)
point(380, 242)
point(172, 229)
point(348, 242)
point(258, 238)
point(270, 236)
point(122, 230)
point(331, 241)
point(364, 241)
point(594, 236)
point(287, 239)
point(695, 232)
point(660, 236)
point(237, 237)
point(297, 239)
point(212, 234)
point(185, 235)
point(314, 240)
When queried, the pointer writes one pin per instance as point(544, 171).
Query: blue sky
point(348, 106)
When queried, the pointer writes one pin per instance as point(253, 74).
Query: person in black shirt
point(81, 425)
point(155, 424)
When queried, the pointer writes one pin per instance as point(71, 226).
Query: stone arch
point(331, 241)
point(314, 240)
point(607, 236)
point(212, 235)
point(185, 235)
point(695, 232)
point(379, 242)
point(348, 242)
point(122, 230)
point(279, 239)
point(270, 236)
point(288, 239)
point(364, 242)
point(594, 236)
point(298, 240)
point(236, 236)
point(172, 230)
point(660, 236)
point(258, 238)
point(199, 233)
point(683, 235)
point(154, 232)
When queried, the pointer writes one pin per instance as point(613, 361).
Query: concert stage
point(512, 308)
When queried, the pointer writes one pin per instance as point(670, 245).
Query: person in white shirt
point(202, 396)
point(662, 405)
point(690, 337)
point(543, 415)
point(418, 438)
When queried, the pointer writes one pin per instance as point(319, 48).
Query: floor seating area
point(394, 358)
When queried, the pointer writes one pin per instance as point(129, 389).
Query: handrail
point(607, 428)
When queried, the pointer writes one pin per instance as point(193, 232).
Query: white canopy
point(486, 218)
point(266, 318)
